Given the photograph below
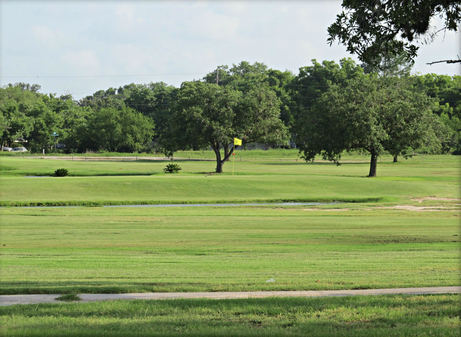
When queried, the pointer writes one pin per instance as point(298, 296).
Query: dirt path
point(36, 299)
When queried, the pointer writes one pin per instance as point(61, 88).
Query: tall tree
point(364, 113)
point(212, 115)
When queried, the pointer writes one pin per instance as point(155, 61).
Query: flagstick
point(233, 163)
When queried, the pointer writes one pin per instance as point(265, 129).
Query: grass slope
point(349, 316)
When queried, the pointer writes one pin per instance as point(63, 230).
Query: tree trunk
point(218, 160)
point(373, 163)
point(395, 158)
point(227, 153)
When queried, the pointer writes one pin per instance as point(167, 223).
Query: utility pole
point(217, 75)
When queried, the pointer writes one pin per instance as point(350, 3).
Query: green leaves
point(371, 29)
point(119, 130)
point(208, 114)
point(360, 111)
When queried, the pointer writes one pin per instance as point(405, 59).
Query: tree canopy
point(371, 29)
point(207, 114)
point(358, 111)
point(325, 109)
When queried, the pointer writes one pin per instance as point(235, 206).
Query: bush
point(62, 172)
point(172, 168)
point(68, 298)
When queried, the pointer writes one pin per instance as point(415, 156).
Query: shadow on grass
point(345, 316)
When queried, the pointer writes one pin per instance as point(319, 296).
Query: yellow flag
point(237, 141)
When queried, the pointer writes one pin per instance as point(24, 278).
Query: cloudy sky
point(78, 47)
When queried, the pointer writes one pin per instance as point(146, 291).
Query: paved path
point(35, 299)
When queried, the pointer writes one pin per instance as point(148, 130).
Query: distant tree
point(446, 91)
point(118, 130)
point(383, 27)
point(242, 76)
point(154, 100)
point(104, 99)
point(46, 121)
point(221, 76)
point(391, 64)
point(281, 82)
point(16, 103)
point(15, 123)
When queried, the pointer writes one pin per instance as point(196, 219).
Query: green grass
point(200, 154)
point(342, 246)
point(74, 250)
point(98, 249)
point(266, 179)
point(348, 316)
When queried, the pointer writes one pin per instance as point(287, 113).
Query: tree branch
point(226, 156)
point(447, 61)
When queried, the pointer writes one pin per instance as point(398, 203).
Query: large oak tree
point(211, 115)
point(364, 113)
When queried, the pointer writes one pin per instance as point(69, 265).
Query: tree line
point(326, 109)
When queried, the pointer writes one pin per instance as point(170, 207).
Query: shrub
point(172, 168)
point(61, 172)
point(68, 298)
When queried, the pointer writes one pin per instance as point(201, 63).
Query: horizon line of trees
point(326, 109)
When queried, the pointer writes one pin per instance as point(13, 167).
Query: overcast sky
point(79, 47)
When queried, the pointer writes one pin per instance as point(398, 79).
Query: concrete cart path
point(36, 299)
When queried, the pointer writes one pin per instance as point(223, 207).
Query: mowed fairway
point(237, 248)
point(400, 229)
point(340, 246)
